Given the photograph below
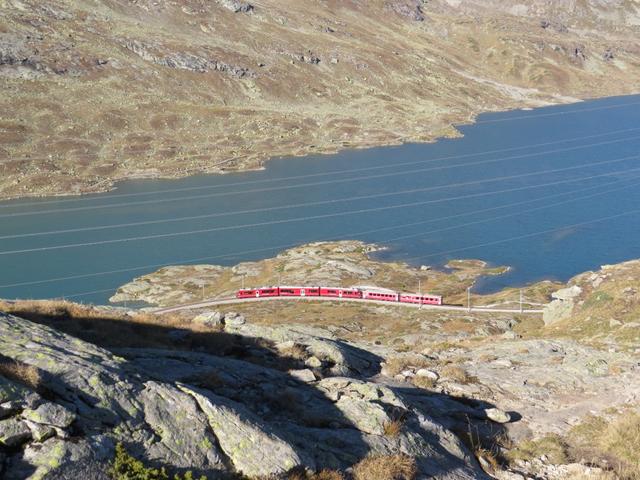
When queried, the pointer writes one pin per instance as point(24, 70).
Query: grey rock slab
point(319, 343)
point(38, 460)
point(172, 413)
point(562, 305)
point(50, 414)
point(11, 391)
point(313, 362)
point(361, 403)
point(13, 432)
point(252, 445)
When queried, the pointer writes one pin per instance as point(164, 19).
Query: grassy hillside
point(96, 91)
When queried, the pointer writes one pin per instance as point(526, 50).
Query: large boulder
point(562, 305)
point(50, 414)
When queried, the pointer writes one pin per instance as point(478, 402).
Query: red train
point(339, 292)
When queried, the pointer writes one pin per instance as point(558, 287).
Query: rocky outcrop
point(208, 413)
point(562, 305)
point(411, 9)
point(186, 60)
point(237, 6)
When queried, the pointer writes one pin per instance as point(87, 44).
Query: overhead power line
point(301, 205)
point(299, 219)
point(288, 187)
point(348, 235)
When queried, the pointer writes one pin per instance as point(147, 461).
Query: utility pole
point(243, 281)
point(469, 299)
point(420, 292)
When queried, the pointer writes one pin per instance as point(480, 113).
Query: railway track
point(236, 301)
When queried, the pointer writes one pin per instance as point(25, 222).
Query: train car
point(299, 291)
point(340, 292)
point(268, 292)
point(247, 293)
point(420, 299)
point(383, 296)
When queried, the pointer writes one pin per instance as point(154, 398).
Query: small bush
point(386, 467)
point(426, 383)
point(553, 446)
point(392, 428)
point(295, 352)
point(20, 372)
point(395, 365)
point(456, 374)
point(126, 467)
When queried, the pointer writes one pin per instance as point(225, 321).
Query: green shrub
point(126, 467)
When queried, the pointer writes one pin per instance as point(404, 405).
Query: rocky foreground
point(214, 414)
point(267, 388)
point(100, 91)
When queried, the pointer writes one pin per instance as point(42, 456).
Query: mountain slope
point(96, 91)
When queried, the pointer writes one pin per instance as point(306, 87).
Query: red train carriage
point(337, 292)
point(268, 292)
point(340, 292)
point(381, 296)
point(299, 291)
point(420, 299)
point(247, 293)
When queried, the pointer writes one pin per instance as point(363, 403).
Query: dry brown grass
point(487, 357)
point(457, 374)
point(553, 446)
point(609, 443)
point(386, 467)
point(395, 365)
point(322, 475)
point(20, 372)
point(488, 460)
point(295, 352)
point(393, 427)
point(425, 383)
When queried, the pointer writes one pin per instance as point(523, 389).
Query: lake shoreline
point(112, 184)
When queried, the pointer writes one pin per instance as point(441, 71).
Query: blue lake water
point(551, 192)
